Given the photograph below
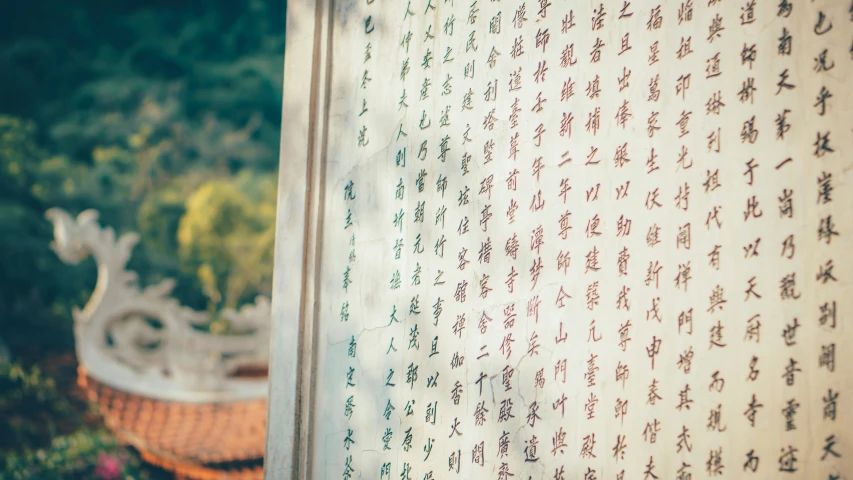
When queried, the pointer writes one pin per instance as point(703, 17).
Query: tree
point(36, 289)
point(226, 237)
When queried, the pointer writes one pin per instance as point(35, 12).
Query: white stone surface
point(613, 337)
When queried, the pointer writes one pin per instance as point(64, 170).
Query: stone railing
point(144, 342)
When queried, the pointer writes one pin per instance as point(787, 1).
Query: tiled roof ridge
point(199, 439)
point(200, 472)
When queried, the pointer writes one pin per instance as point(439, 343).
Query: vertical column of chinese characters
point(721, 38)
point(417, 58)
point(349, 308)
point(431, 63)
point(466, 45)
point(529, 111)
point(485, 194)
point(347, 283)
point(706, 71)
point(751, 71)
point(393, 389)
point(406, 223)
point(605, 109)
point(673, 46)
point(612, 112)
point(513, 47)
point(511, 329)
point(484, 170)
point(794, 338)
point(450, 31)
point(484, 363)
point(411, 46)
point(715, 88)
point(631, 102)
point(537, 35)
point(410, 348)
point(594, 75)
point(793, 335)
point(416, 362)
point(442, 38)
point(455, 41)
point(743, 36)
point(752, 68)
point(686, 60)
point(481, 414)
point(624, 96)
point(505, 314)
point(513, 109)
point(653, 82)
point(489, 84)
point(827, 230)
point(553, 53)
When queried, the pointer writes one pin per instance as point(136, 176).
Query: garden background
point(164, 116)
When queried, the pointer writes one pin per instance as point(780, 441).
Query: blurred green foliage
point(33, 407)
point(40, 438)
point(83, 454)
point(165, 117)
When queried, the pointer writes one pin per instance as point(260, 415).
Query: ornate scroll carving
point(141, 340)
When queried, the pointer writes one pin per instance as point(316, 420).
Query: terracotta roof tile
point(195, 440)
point(185, 471)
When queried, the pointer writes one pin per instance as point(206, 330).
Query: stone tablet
point(563, 240)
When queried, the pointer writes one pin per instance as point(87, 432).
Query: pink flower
point(109, 467)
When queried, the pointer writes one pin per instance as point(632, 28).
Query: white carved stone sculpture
point(120, 343)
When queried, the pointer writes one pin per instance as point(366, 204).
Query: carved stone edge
point(296, 294)
point(187, 365)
